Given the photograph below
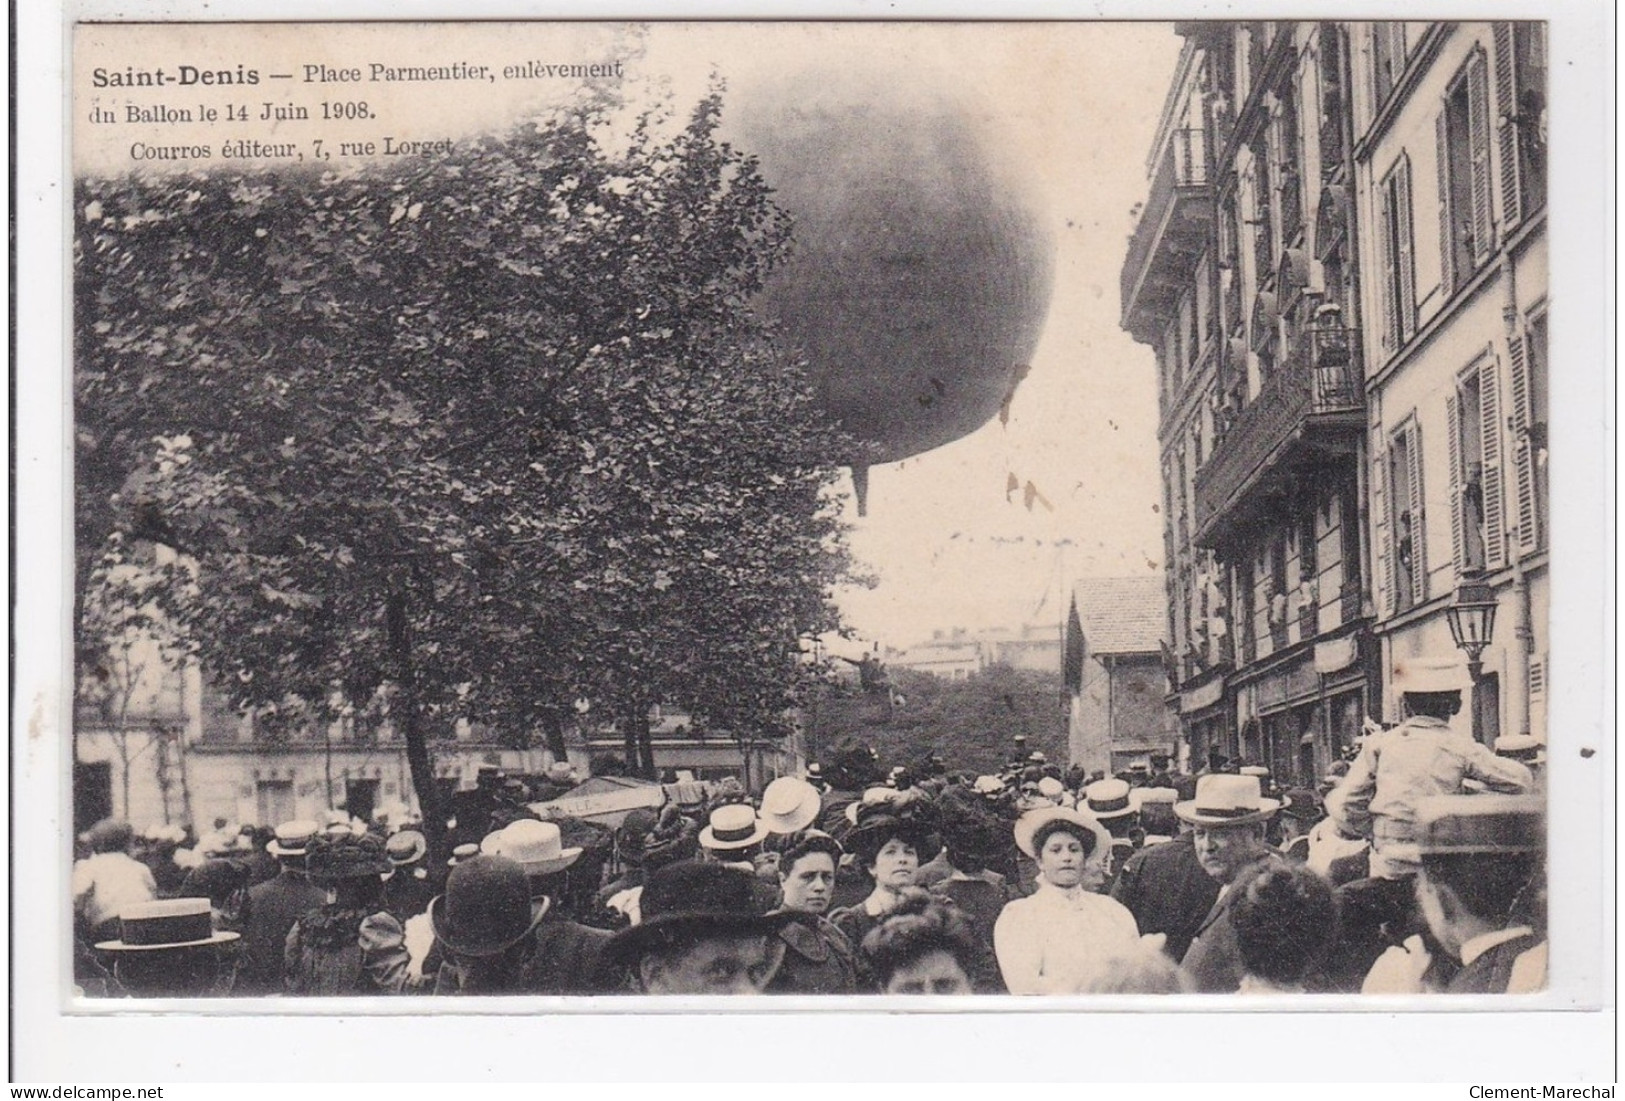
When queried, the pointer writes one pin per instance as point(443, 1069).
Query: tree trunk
point(646, 750)
point(629, 735)
point(553, 733)
point(417, 747)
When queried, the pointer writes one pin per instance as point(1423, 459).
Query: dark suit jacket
point(1214, 959)
point(269, 913)
point(1167, 891)
point(1490, 972)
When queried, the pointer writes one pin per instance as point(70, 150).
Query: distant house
point(1114, 672)
point(956, 654)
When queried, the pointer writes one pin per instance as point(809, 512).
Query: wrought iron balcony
point(1173, 229)
point(1310, 413)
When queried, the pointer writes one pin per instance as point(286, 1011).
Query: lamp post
point(1472, 622)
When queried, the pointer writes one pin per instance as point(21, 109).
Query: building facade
point(1351, 367)
point(1118, 713)
point(1450, 181)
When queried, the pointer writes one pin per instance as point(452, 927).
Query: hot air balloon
point(920, 274)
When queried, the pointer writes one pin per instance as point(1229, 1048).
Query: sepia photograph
point(974, 510)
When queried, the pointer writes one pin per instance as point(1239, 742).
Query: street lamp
point(1472, 622)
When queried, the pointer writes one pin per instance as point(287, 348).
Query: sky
point(1068, 111)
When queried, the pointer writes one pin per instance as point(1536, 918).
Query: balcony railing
point(1321, 378)
point(1172, 230)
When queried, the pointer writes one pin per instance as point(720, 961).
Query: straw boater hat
point(1028, 824)
point(1466, 825)
point(466, 851)
point(538, 847)
point(1224, 799)
point(733, 826)
point(1259, 771)
point(487, 907)
point(406, 847)
point(292, 838)
point(693, 895)
point(166, 923)
point(1106, 799)
point(790, 804)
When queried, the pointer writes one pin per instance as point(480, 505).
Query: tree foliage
point(970, 723)
point(467, 440)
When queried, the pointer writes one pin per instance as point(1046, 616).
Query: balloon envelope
point(920, 276)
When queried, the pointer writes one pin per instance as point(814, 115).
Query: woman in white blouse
point(1060, 939)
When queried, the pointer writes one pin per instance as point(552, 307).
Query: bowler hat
point(691, 895)
point(406, 847)
point(166, 923)
point(1302, 804)
point(487, 907)
point(1227, 799)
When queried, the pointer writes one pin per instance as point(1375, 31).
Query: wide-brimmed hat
point(1520, 747)
point(878, 823)
point(166, 923)
point(334, 856)
point(876, 796)
point(292, 838)
point(487, 907)
point(538, 847)
point(695, 895)
point(468, 850)
point(789, 805)
point(406, 847)
point(1108, 799)
point(1027, 826)
point(1227, 799)
point(733, 826)
point(1260, 771)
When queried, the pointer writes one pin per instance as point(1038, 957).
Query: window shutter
point(1388, 283)
point(1523, 457)
point(1447, 234)
point(1419, 538)
point(1478, 134)
point(1405, 261)
point(1489, 390)
point(1506, 106)
point(1382, 519)
point(1458, 537)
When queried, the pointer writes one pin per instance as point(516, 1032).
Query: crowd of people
point(1417, 866)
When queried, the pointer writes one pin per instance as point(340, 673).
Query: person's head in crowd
point(110, 835)
point(167, 948)
point(703, 931)
point(487, 912)
point(1300, 810)
point(632, 835)
point(1111, 803)
point(1070, 847)
point(1285, 918)
point(1159, 762)
point(789, 805)
point(290, 844)
point(1229, 817)
point(1147, 969)
point(350, 867)
point(538, 848)
point(889, 843)
point(733, 834)
point(807, 872)
point(853, 766)
point(972, 837)
point(222, 882)
point(924, 946)
point(1334, 776)
point(1480, 856)
point(1432, 687)
point(1156, 807)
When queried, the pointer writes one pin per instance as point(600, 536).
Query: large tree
point(469, 439)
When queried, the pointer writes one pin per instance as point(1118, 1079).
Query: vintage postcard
point(596, 511)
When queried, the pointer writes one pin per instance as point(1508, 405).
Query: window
point(1528, 417)
point(274, 800)
point(1397, 273)
point(1470, 421)
point(1387, 60)
point(1520, 107)
point(1466, 230)
point(1407, 553)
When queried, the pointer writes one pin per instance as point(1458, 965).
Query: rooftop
point(1121, 615)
